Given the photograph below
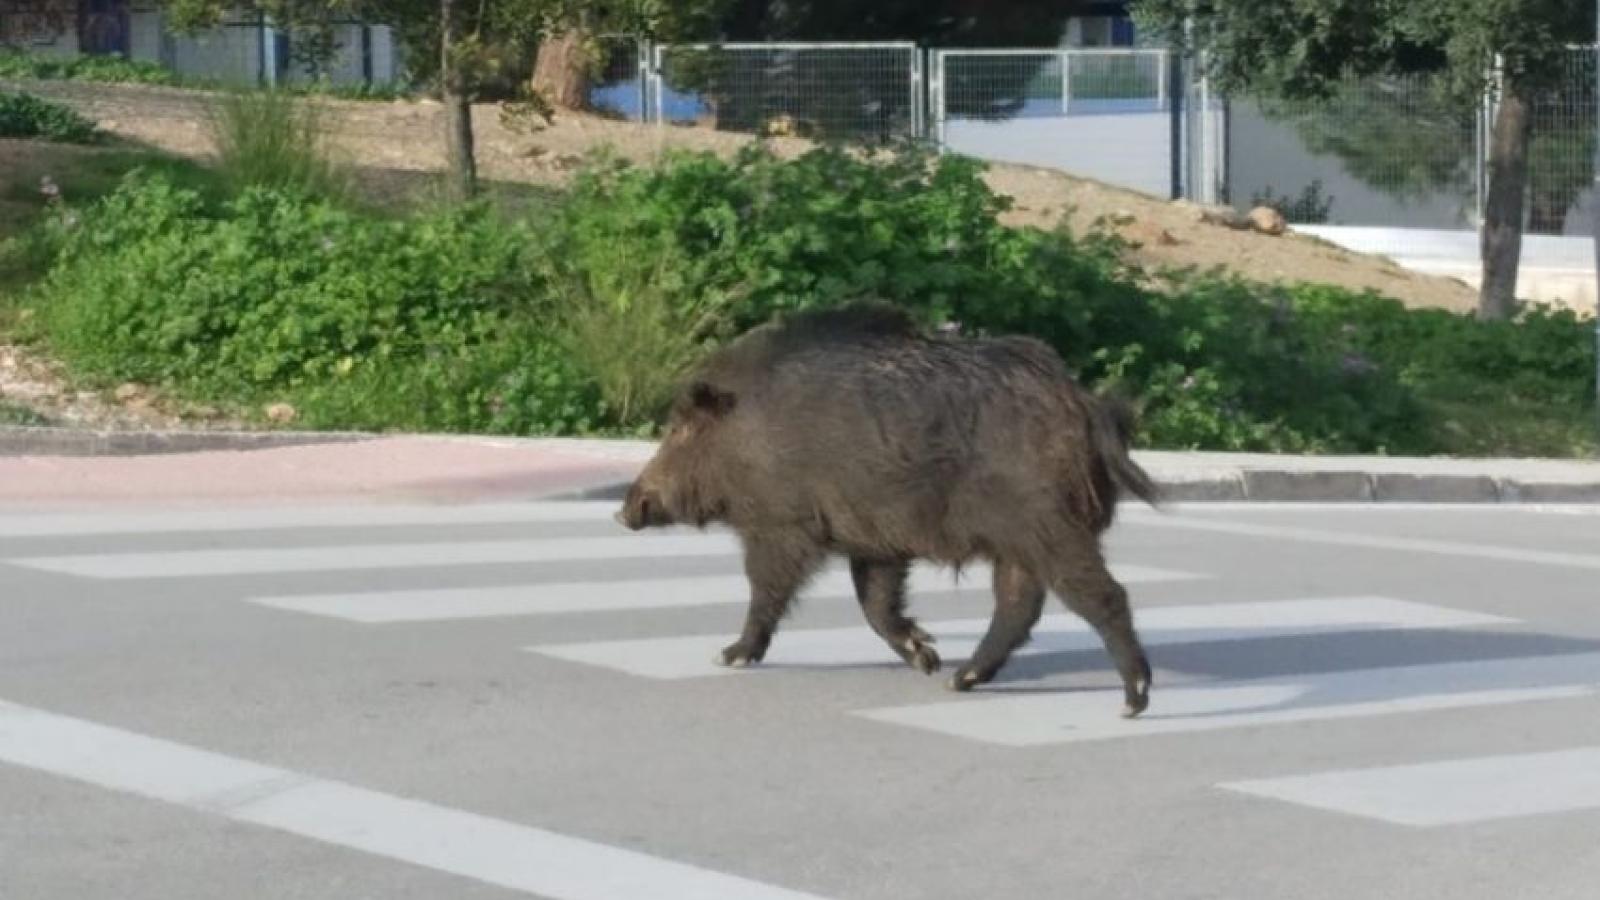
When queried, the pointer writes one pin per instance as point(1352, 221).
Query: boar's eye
point(711, 399)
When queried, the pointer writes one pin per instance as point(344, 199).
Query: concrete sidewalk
point(182, 469)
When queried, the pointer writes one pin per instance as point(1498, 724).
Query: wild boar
point(851, 432)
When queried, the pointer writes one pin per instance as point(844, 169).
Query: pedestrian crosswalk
point(691, 657)
point(261, 546)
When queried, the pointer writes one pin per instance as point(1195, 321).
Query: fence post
point(918, 95)
point(641, 61)
point(1163, 67)
point(1066, 82)
point(657, 51)
point(1594, 201)
point(936, 97)
point(1172, 68)
point(267, 68)
point(1208, 171)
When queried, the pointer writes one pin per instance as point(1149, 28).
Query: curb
point(46, 441)
point(1264, 486)
point(1267, 486)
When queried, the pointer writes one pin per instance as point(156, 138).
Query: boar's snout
point(642, 509)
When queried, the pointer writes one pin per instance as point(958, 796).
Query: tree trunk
point(561, 72)
point(463, 167)
point(1501, 246)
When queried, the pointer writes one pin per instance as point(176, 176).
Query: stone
point(1267, 220)
point(281, 413)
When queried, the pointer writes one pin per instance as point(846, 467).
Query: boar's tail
point(1112, 432)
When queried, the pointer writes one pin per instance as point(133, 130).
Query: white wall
point(1132, 150)
point(144, 36)
point(1559, 270)
point(1265, 153)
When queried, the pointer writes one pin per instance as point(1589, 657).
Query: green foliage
point(27, 116)
point(827, 227)
point(272, 139)
point(628, 318)
point(583, 317)
point(418, 322)
point(13, 415)
point(18, 65)
point(23, 66)
point(1306, 48)
point(1219, 363)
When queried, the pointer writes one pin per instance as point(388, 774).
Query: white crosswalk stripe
point(449, 604)
point(494, 851)
point(1038, 719)
point(211, 563)
point(1447, 792)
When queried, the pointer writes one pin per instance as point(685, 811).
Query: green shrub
point(1218, 362)
point(276, 140)
point(276, 293)
point(12, 415)
point(86, 67)
point(517, 381)
point(27, 116)
point(19, 65)
point(582, 317)
point(822, 229)
point(627, 318)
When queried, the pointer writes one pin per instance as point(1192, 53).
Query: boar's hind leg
point(1089, 590)
point(1018, 601)
point(881, 588)
point(777, 566)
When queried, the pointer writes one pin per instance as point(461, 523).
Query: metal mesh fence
point(1021, 84)
point(1116, 80)
point(859, 92)
point(361, 54)
point(1100, 113)
point(1380, 151)
point(1561, 151)
point(619, 87)
point(232, 53)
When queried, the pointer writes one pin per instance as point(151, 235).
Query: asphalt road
point(519, 700)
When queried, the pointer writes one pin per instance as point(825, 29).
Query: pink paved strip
point(403, 468)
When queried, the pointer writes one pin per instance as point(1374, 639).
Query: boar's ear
point(711, 399)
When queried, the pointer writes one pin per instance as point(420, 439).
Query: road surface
point(518, 700)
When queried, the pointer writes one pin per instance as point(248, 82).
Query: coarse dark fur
point(850, 432)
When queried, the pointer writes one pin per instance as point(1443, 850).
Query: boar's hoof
point(1138, 700)
point(922, 657)
point(737, 656)
point(965, 679)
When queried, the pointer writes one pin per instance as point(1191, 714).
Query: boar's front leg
point(881, 588)
point(777, 564)
point(1018, 601)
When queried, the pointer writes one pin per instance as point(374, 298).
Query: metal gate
point(843, 91)
point(1113, 114)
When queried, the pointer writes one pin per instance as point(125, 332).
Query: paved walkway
point(448, 469)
